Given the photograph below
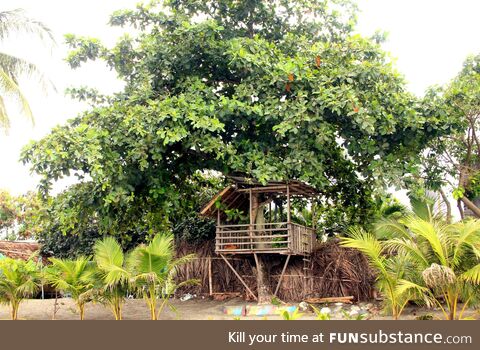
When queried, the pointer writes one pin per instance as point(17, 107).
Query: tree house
point(256, 219)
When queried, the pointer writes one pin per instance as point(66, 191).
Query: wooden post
point(217, 230)
point(281, 276)
point(252, 219)
point(251, 209)
point(291, 237)
point(288, 204)
point(270, 212)
point(210, 282)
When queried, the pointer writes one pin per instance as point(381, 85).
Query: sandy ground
point(197, 309)
point(35, 309)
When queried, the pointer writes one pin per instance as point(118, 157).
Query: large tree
point(18, 215)
point(15, 22)
point(276, 90)
point(452, 161)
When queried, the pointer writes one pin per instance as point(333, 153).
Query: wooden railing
point(283, 237)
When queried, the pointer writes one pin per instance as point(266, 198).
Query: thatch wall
point(18, 249)
point(336, 271)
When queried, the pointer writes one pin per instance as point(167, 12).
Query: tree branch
point(470, 205)
point(447, 205)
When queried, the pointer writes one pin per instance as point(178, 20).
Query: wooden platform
point(269, 238)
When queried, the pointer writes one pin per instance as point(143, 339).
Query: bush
point(194, 230)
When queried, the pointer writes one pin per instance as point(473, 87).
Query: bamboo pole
point(262, 189)
point(288, 204)
point(252, 220)
point(281, 276)
point(246, 225)
point(247, 243)
point(210, 281)
point(238, 276)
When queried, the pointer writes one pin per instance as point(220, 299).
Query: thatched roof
point(18, 249)
point(236, 196)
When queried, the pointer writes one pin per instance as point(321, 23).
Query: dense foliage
point(452, 161)
point(18, 215)
point(275, 90)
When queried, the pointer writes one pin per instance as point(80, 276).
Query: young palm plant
point(75, 277)
point(153, 268)
point(112, 273)
point(19, 280)
point(446, 259)
point(391, 270)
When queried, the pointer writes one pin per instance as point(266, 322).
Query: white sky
point(429, 38)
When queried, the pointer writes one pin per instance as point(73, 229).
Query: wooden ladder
point(307, 276)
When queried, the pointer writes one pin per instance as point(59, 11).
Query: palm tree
point(446, 257)
point(12, 67)
point(426, 208)
point(19, 279)
point(153, 268)
point(440, 261)
point(75, 277)
point(113, 274)
point(390, 270)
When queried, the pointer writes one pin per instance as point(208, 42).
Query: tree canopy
point(453, 159)
point(275, 90)
point(19, 215)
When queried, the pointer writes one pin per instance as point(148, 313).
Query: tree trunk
point(470, 205)
point(81, 310)
point(460, 209)
point(117, 309)
point(14, 312)
point(260, 225)
point(264, 294)
point(447, 205)
point(152, 302)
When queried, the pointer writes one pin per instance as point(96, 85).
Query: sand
point(196, 309)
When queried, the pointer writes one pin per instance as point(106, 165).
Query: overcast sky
point(429, 38)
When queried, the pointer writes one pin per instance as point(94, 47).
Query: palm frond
point(182, 260)
point(17, 67)
point(390, 228)
point(108, 254)
point(468, 235)
point(12, 67)
point(407, 247)
point(414, 291)
point(18, 280)
point(16, 22)
point(9, 88)
point(427, 208)
point(472, 275)
point(367, 244)
point(4, 120)
point(434, 233)
point(72, 276)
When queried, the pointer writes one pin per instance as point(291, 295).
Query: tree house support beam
point(281, 276)
point(238, 276)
